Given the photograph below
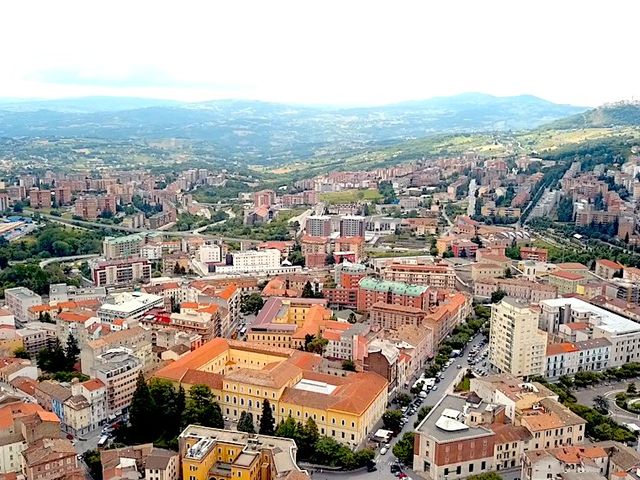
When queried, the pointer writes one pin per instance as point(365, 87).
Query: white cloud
point(345, 52)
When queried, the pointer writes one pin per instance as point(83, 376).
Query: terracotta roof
point(277, 376)
point(4, 312)
point(73, 317)
point(189, 305)
point(317, 240)
point(228, 292)
point(197, 377)
point(507, 433)
point(571, 266)
point(567, 275)
point(576, 454)
point(25, 384)
point(558, 348)
point(93, 384)
point(576, 325)
point(15, 410)
point(40, 308)
point(609, 264)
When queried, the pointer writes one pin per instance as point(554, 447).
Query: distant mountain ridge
point(619, 114)
point(265, 132)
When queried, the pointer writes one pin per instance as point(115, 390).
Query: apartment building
point(437, 276)
point(51, 459)
point(519, 288)
point(118, 370)
point(516, 346)
point(18, 300)
point(482, 270)
point(135, 340)
point(318, 226)
point(37, 335)
point(450, 443)
point(243, 374)
point(315, 250)
point(566, 281)
point(128, 246)
point(552, 425)
point(535, 254)
point(253, 261)
point(454, 309)
point(233, 454)
point(371, 290)
point(352, 226)
point(61, 293)
point(388, 315)
point(140, 461)
point(120, 273)
point(623, 334)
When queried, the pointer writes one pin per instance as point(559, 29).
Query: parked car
point(383, 451)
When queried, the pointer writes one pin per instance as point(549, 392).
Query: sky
point(346, 52)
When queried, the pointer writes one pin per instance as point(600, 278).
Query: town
point(458, 317)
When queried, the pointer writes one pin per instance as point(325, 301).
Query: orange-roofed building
point(243, 374)
point(607, 268)
point(566, 281)
point(561, 359)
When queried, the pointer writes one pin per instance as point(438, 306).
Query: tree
point(72, 352)
point(507, 273)
point(391, 419)
point(352, 318)
point(485, 476)
point(317, 345)
point(142, 413)
point(601, 404)
point(296, 257)
point(245, 423)
point(251, 303)
point(348, 365)
point(498, 295)
point(201, 409)
point(287, 428)
point(403, 399)
point(631, 389)
point(267, 422)
point(52, 359)
point(330, 259)
point(20, 352)
point(423, 412)
point(403, 449)
point(306, 437)
point(307, 291)
point(175, 305)
point(92, 460)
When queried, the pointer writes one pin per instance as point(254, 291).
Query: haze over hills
point(611, 115)
point(267, 132)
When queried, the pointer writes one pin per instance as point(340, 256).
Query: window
point(483, 465)
point(458, 470)
point(470, 467)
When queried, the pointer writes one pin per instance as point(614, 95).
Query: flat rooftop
point(315, 386)
point(611, 322)
point(445, 422)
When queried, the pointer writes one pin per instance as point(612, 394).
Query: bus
point(103, 441)
point(242, 331)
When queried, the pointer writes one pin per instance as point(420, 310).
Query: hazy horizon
point(320, 53)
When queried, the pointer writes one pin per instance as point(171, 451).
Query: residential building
point(535, 254)
point(352, 226)
point(389, 315)
point(607, 268)
point(350, 248)
point(61, 292)
point(253, 261)
point(516, 346)
point(119, 273)
point(552, 424)
point(206, 451)
point(117, 370)
point(18, 301)
point(51, 396)
point(210, 253)
point(454, 309)
point(519, 288)
point(135, 340)
point(566, 281)
point(371, 290)
point(37, 335)
point(436, 275)
point(623, 334)
point(383, 358)
point(140, 461)
point(318, 226)
point(264, 198)
point(128, 246)
point(242, 374)
point(51, 459)
point(314, 250)
point(593, 354)
point(450, 443)
point(39, 198)
point(562, 359)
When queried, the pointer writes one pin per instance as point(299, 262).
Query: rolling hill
point(622, 114)
point(267, 133)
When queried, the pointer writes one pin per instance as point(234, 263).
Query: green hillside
point(613, 115)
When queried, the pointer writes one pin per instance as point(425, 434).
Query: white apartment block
point(623, 334)
point(210, 253)
point(516, 346)
point(18, 301)
point(128, 306)
point(252, 261)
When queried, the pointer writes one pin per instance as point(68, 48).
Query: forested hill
point(612, 115)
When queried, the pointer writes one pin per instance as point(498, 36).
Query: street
point(383, 462)
point(608, 390)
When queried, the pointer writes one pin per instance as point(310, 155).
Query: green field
point(350, 196)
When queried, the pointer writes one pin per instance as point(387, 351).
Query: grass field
point(350, 196)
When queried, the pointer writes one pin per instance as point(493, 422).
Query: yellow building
point(243, 374)
point(214, 454)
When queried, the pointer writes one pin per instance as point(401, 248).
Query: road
point(383, 462)
point(72, 258)
point(608, 390)
point(84, 223)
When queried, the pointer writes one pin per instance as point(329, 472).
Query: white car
point(383, 450)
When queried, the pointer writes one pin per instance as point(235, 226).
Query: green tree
point(92, 460)
point(251, 303)
point(287, 428)
point(71, 352)
point(267, 422)
point(352, 318)
point(307, 291)
point(485, 476)
point(296, 257)
point(52, 358)
point(631, 389)
point(601, 404)
point(306, 437)
point(330, 259)
point(201, 409)
point(403, 399)
point(20, 352)
point(348, 365)
point(317, 345)
point(142, 413)
point(498, 295)
point(327, 451)
point(391, 419)
point(403, 449)
point(245, 423)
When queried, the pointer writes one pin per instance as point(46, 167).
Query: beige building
point(438, 276)
point(486, 270)
point(520, 288)
point(516, 346)
point(118, 370)
point(128, 246)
